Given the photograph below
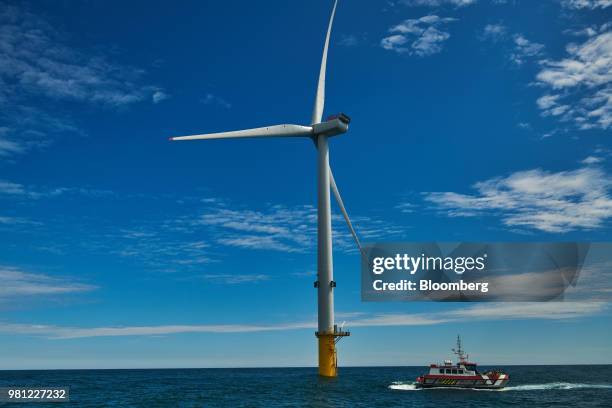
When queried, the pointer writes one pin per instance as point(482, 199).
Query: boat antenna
point(459, 350)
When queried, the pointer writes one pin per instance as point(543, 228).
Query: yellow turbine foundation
point(328, 357)
point(328, 363)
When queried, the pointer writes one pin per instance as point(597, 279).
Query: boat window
point(441, 371)
point(460, 371)
point(454, 371)
point(448, 371)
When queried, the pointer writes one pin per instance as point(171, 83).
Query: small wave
point(411, 386)
point(555, 386)
point(403, 386)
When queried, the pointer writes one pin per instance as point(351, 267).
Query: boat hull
point(479, 383)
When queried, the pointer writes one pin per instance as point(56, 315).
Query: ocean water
point(530, 386)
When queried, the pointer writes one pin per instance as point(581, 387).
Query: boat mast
point(459, 351)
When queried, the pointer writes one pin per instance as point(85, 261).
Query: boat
point(463, 374)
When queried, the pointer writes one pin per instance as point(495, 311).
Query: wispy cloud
point(524, 49)
point(305, 274)
point(159, 246)
point(191, 244)
point(526, 310)
point(520, 49)
point(486, 311)
point(5, 220)
point(591, 160)
point(18, 283)
point(233, 279)
point(421, 37)
point(277, 227)
point(30, 128)
point(17, 190)
point(58, 332)
point(8, 147)
point(159, 96)
point(437, 3)
point(406, 207)
point(523, 125)
point(348, 40)
point(580, 85)
point(586, 4)
point(537, 199)
point(35, 60)
point(588, 31)
point(283, 228)
point(494, 32)
point(8, 187)
point(481, 312)
point(212, 99)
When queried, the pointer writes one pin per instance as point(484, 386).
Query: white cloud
point(588, 64)
point(260, 242)
point(494, 32)
point(589, 31)
point(524, 49)
point(348, 40)
point(393, 42)
point(306, 274)
point(159, 96)
point(283, 228)
point(592, 160)
point(17, 190)
point(584, 81)
point(58, 332)
point(421, 37)
point(159, 246)
point(406, 207)
point(8, 147)
point(437, 3)
point(547, 101)
point(33, 59)
point(521, 50)
point(232, 279)
point(523, 125)
point(4, 220)
point(7, 187)
point(586, 4)
point(212, 99)
point(551, 202)
point(169, 245)
point(192, 243)
point(17, 283)
point(36, 61)
point(527, 310)
point(481, 312)
point(276, 228)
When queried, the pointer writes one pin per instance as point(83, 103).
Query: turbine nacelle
point(334, 125)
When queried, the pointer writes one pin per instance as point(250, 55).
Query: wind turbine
point(327, 333)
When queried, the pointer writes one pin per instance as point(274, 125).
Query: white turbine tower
point(319, 132)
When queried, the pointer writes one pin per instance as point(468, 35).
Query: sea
point(530, 386)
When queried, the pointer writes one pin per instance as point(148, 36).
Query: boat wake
point(404, 386)
point(411, 386)
point(556, 386)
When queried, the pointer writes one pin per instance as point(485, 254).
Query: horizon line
point(293, 367)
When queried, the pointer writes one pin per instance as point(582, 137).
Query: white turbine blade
point(317, 111)
point(334, 188)
point(268, 131)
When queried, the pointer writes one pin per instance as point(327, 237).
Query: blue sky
point(472, 120)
